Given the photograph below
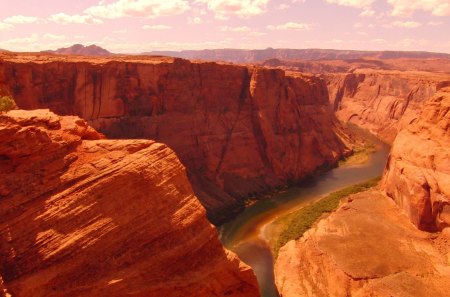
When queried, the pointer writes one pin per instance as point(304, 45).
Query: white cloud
point(235, 29)
point(378, 40)
point(290, 26)
point(406, 8)
point(62, 18)
point(364, 4)
point(407, 24)
point(5, 27)
point(156, 27)
point(223, 9)
point(283, 6)
point(195, 20)
point(138, 8)
point(54, 37)
point(20, 19)
point(122, 31)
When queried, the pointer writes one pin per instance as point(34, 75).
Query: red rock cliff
point(380, 100)
point(365, 248)
point(417, 174)
point(85, 216)
point(239, 131)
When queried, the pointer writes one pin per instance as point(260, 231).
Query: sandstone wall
point(380, 100)
point(85, 216)
point(417, 174)
point(239, 131)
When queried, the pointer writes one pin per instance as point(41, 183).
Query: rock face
point(417, 174)
point(85, 216)
point(239, 131)
point(382, 101)
point(365, 248)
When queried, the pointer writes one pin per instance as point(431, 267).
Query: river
point(248, 234)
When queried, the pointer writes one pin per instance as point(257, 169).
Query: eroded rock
point(84, 216)
point(365, 248)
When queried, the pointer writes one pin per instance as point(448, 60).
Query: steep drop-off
point(417, 175)
point(85, 216)
point(239, 131)
point(365, 248)
point(380, 100)
point(369, 247)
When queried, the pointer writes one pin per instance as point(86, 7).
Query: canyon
point(383, 224)
point(81, 215)
point(240, 131)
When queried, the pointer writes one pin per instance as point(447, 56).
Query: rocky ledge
point(84, 216)
point(365, 248)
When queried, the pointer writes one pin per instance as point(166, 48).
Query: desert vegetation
point(298, 222)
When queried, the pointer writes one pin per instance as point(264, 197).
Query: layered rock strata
point(417, 174)
point(239, 131)
point(380, 100)
point(365, 248)
point(84, 216)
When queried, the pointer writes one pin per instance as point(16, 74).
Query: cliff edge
point(84, 216)
point(417, 175)
point(240, 131)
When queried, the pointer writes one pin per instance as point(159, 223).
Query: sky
point(134, 26)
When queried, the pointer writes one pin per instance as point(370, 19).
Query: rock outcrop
point(79, 49)
point(84, 216)
point(417, 175)
point(365, 248)
point(239, 131)
point(380, 100)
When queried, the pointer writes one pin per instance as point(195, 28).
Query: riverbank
point(247, 234)
point(293, 225)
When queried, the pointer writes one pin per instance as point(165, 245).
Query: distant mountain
point(257, 56)
point(79, 49)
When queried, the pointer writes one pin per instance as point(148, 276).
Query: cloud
point(223, 9)
point(5, 27)
point(365, 5)
point(353, 3)
point(20, 19)
point(283, 6)
point(156, 27)
point(378, 40)
point(195, 20)
point(407, 24)
point(406, 8)
point(138, 8)
point(54, 37)
point(62, 18)
point(235, 29)
point(290, 26)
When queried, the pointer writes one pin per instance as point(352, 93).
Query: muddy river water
point(248, 234)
